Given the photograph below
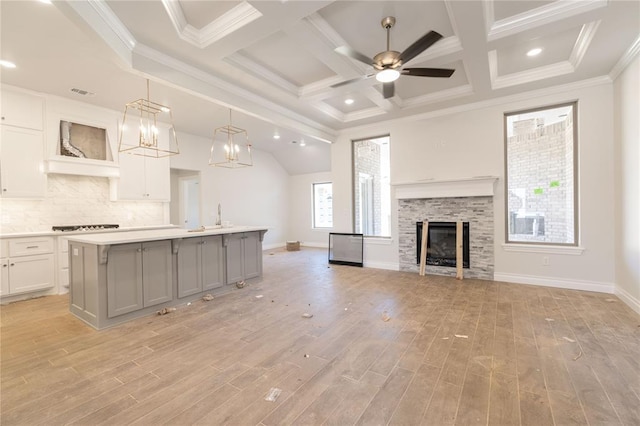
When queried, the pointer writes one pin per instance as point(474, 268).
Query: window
point(323, 205)
point(371, 189)
point(541, 184)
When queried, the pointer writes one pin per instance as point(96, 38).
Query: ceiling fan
point(388, 64)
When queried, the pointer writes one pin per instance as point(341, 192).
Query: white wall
point(465, 144)
point(301, 209)
point(256, 195)
point(627, 185)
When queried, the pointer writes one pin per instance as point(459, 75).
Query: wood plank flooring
point(452, 352)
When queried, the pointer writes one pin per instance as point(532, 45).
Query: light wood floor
point(470, 352)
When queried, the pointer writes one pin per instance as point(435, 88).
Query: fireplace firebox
point(441, 244)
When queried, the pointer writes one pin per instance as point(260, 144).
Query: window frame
point(576, 215)
point(313, 205)
point(356, 178)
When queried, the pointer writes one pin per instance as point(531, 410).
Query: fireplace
point(441, 244)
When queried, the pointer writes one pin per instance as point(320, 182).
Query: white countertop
point(86, 233)
point(158, 234)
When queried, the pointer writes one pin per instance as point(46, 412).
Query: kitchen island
point(115, 277)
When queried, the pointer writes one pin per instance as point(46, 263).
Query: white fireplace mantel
point(466, 187)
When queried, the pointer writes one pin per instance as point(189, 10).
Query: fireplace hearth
point(441, 244)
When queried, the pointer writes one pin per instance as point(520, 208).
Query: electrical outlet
point(545, 260)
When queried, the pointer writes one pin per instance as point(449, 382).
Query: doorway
point(185, 198)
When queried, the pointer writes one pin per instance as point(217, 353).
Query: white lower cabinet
point(138, 276)
point(4, 277)
point(27, 265)
point(200, 264)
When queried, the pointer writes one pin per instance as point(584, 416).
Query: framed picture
point(82, 141)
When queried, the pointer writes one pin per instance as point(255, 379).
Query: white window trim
point(537, 248)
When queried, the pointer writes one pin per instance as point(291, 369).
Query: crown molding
point(539, 16)
point(102, 20)
point(252, 67)
point(527, 76)
point(332, 39)
point(548, 91)
point(329, 110)
point(363, 113)
point(268, 110)
point(626, 59)
point(320, 88)
point(231, 21)
point(583, 41)
point(443, 95)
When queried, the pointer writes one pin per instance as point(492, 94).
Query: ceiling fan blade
point(419, 46)
point(353, 80)
point(353, 54)
point(388, 90)
point(428, 72)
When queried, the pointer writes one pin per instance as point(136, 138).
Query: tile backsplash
point(76, 200)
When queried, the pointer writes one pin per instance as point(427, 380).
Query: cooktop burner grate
point(97, 227)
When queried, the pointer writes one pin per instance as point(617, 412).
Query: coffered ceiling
point(274, 61)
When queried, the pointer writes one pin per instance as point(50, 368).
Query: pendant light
point(230, 147)
point(141, 132)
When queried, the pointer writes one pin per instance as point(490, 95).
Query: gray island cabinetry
point(138, 276)
point(200, 264)
point(116, 277)
point(244, 256)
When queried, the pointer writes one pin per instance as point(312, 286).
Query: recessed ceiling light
point(7, 64)
point(276, 136)
point(348, 101)
point(534, 52)
point(303, 143)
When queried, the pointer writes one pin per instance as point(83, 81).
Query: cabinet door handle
point(13, 264)
point(5, 265)
point(4, 189)
point(139, 250)
point(30, 247)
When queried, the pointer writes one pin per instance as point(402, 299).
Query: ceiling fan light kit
point(389, 63)
point(388, 75)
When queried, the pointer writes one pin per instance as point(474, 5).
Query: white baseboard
point(316, 245)
point(628, 299)
point(383, 265)
point(272, 246)
point(555, 282)
point(284, 244)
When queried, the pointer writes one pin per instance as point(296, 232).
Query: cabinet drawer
point(29, 246)
point(4, 248)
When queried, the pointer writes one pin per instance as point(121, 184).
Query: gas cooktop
point(98, 227)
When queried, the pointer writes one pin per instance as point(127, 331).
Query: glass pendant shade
point(147, 129)
point(387, 75)
point(230, 147)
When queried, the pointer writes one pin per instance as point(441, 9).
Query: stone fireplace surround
point(467, 200)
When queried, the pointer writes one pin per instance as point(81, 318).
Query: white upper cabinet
point(22, 146)
point(143, 178)
point(22, 110)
